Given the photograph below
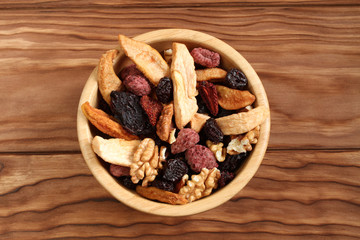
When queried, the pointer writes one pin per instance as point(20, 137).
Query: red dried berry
point(236, 79)
point(152, 108)
point(137, 84)
point(199, 157)
point(119, 171)
point(175, 169)
point(209, 95)
point(130, 70)
point(225, 178)
point(205, 57)
point(164, 90)
point(185, 140)
point(212, 131)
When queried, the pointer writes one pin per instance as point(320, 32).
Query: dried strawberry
point(185, 139)
point(152, 108)
point(209, 95)
point(119, 171)
point(205, 57)
point(199, 157)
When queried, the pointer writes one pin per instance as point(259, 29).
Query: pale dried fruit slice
point(163, 125)
point(198, 121)
point(154, 193)
point(233, 99)
point(104, 123)
point(115, 150)
point(210, 74)
point(243, 122)
point(148, 60)
point(184, 80)
point(108, 81)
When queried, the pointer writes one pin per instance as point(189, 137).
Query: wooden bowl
point(230, 58)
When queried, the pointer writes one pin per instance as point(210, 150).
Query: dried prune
point(163, 184)
point(209, 95)
point(212, 131)
point(164, 90)
point(205, 57)
point(127, 109)
point(225, 178)
point(232, 162)
point(174, 169)
point(236, 79)
point(126, 181)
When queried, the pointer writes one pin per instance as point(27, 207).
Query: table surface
point(307, 54)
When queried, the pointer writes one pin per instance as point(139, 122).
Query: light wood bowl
point(230, 58)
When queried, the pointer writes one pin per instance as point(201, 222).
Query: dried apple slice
point(115, 150)
point(233, 99)
point(108, 81)
point(184, 80)
point(147, 59)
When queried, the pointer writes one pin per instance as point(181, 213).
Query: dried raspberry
point(209, 95)
point(152, 108)
point(175, 169)
point(232, 162)
point(205, 57)
point(127, 109)
point(199, 157)
point(225, 178)
point(119, 171)
point(130, 70)
point(212, 131)
point(137, 84)
point(164, 185)
point(164, 90)
point(185, 140)
point(236, 79)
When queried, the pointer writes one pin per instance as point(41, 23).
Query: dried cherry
point(236, 79)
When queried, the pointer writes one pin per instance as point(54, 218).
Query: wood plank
point(307, 59)
point(24, 4)
point(294, 195)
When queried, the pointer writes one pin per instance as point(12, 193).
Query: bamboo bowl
point(230, 58)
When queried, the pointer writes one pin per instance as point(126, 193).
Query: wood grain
point(308, 63)
point(294, 194)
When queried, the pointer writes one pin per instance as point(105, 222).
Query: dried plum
point(164, 90)
point(212, 131)
point(232, 162)
point(236, 79)
point(175, 169)
point(127, 109)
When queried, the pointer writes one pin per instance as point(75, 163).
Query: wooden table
point(307, 54)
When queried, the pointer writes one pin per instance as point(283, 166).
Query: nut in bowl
point(188, 124)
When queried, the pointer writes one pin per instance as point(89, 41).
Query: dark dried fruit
point(223, 112)
point(201, 105)
point(209, 95)
point(126, 181)
point(205, 57)
point(164, 90)
point(137, 84)
point(225, 178)
point(127, 109)
point(174, 169)
point(185, 140)
point(236, 79)
point(212, 131)
point(164, 184)
point(152, 108)
point(232, 162)
point(119, 171)
point(199, 157)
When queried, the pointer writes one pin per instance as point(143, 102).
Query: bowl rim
point(245, 173)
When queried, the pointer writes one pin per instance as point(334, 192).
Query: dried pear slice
point(233, 99)
point(239, 123)
point(147, 59)
point(108, 81)
point(184, 80)
point(115, 150)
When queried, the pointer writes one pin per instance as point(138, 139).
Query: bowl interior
point(230, 58)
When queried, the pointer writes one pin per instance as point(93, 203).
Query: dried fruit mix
point(175, 133)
